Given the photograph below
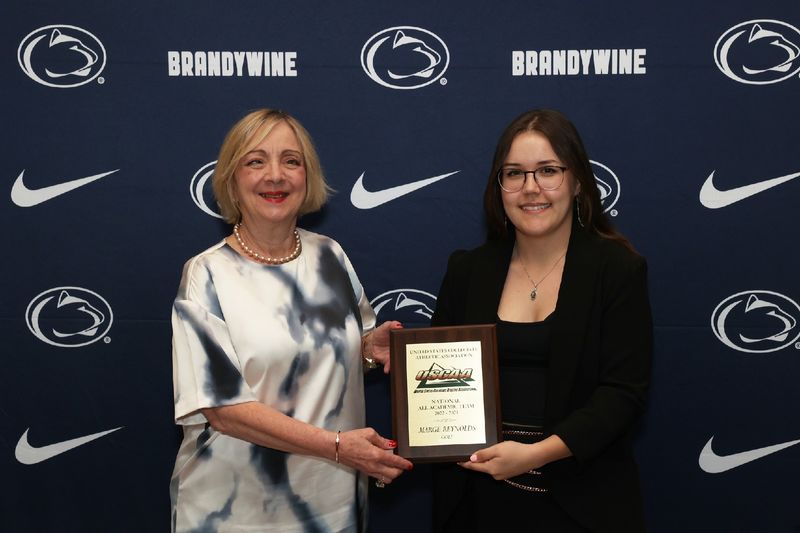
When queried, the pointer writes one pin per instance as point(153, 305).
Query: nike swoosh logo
point(714, 464)
point(30, 455)
point(713, 198)
point(364, 199)
point(25, 197)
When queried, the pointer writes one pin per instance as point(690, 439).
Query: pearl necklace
point(298, 247)
point(535, 284)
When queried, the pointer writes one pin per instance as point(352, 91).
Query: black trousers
point(489, 505)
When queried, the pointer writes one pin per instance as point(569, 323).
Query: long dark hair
point(568, 146)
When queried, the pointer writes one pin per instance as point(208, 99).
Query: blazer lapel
point(486, 283)
point(570, 322)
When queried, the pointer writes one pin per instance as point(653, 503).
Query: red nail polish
point(392, 444)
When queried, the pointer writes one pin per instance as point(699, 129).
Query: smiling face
point(535, 212)
point(270, 179)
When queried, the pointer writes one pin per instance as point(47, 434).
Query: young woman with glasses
point(569, 296)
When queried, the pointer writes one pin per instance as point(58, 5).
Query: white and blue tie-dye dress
point(288, 336)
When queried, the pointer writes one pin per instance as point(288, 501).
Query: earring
point(578, 208)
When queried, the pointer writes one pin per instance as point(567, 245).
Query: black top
point(523, 355)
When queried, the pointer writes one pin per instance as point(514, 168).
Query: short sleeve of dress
point(368, 317)
point(206, 371)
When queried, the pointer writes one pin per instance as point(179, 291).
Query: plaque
point(445, 392)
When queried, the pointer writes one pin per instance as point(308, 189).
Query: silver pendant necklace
point(535, 284)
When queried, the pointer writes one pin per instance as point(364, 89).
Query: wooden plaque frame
point(399, 339)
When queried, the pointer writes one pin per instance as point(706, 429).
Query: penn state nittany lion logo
point(69, 317)
point(61, 56)
point(759, 52)
point(608, 186)
point(405, 57)
point(412, 307)
point(200, 190)
point(756, 321)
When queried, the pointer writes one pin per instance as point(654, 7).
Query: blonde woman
point(271, 328)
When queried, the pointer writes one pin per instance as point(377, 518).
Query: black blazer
point(598, 374)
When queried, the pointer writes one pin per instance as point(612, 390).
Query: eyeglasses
point(548, 178)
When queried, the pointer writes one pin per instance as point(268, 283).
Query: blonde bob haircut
point(250, 131)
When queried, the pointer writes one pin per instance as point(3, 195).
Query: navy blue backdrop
point(690, 117)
